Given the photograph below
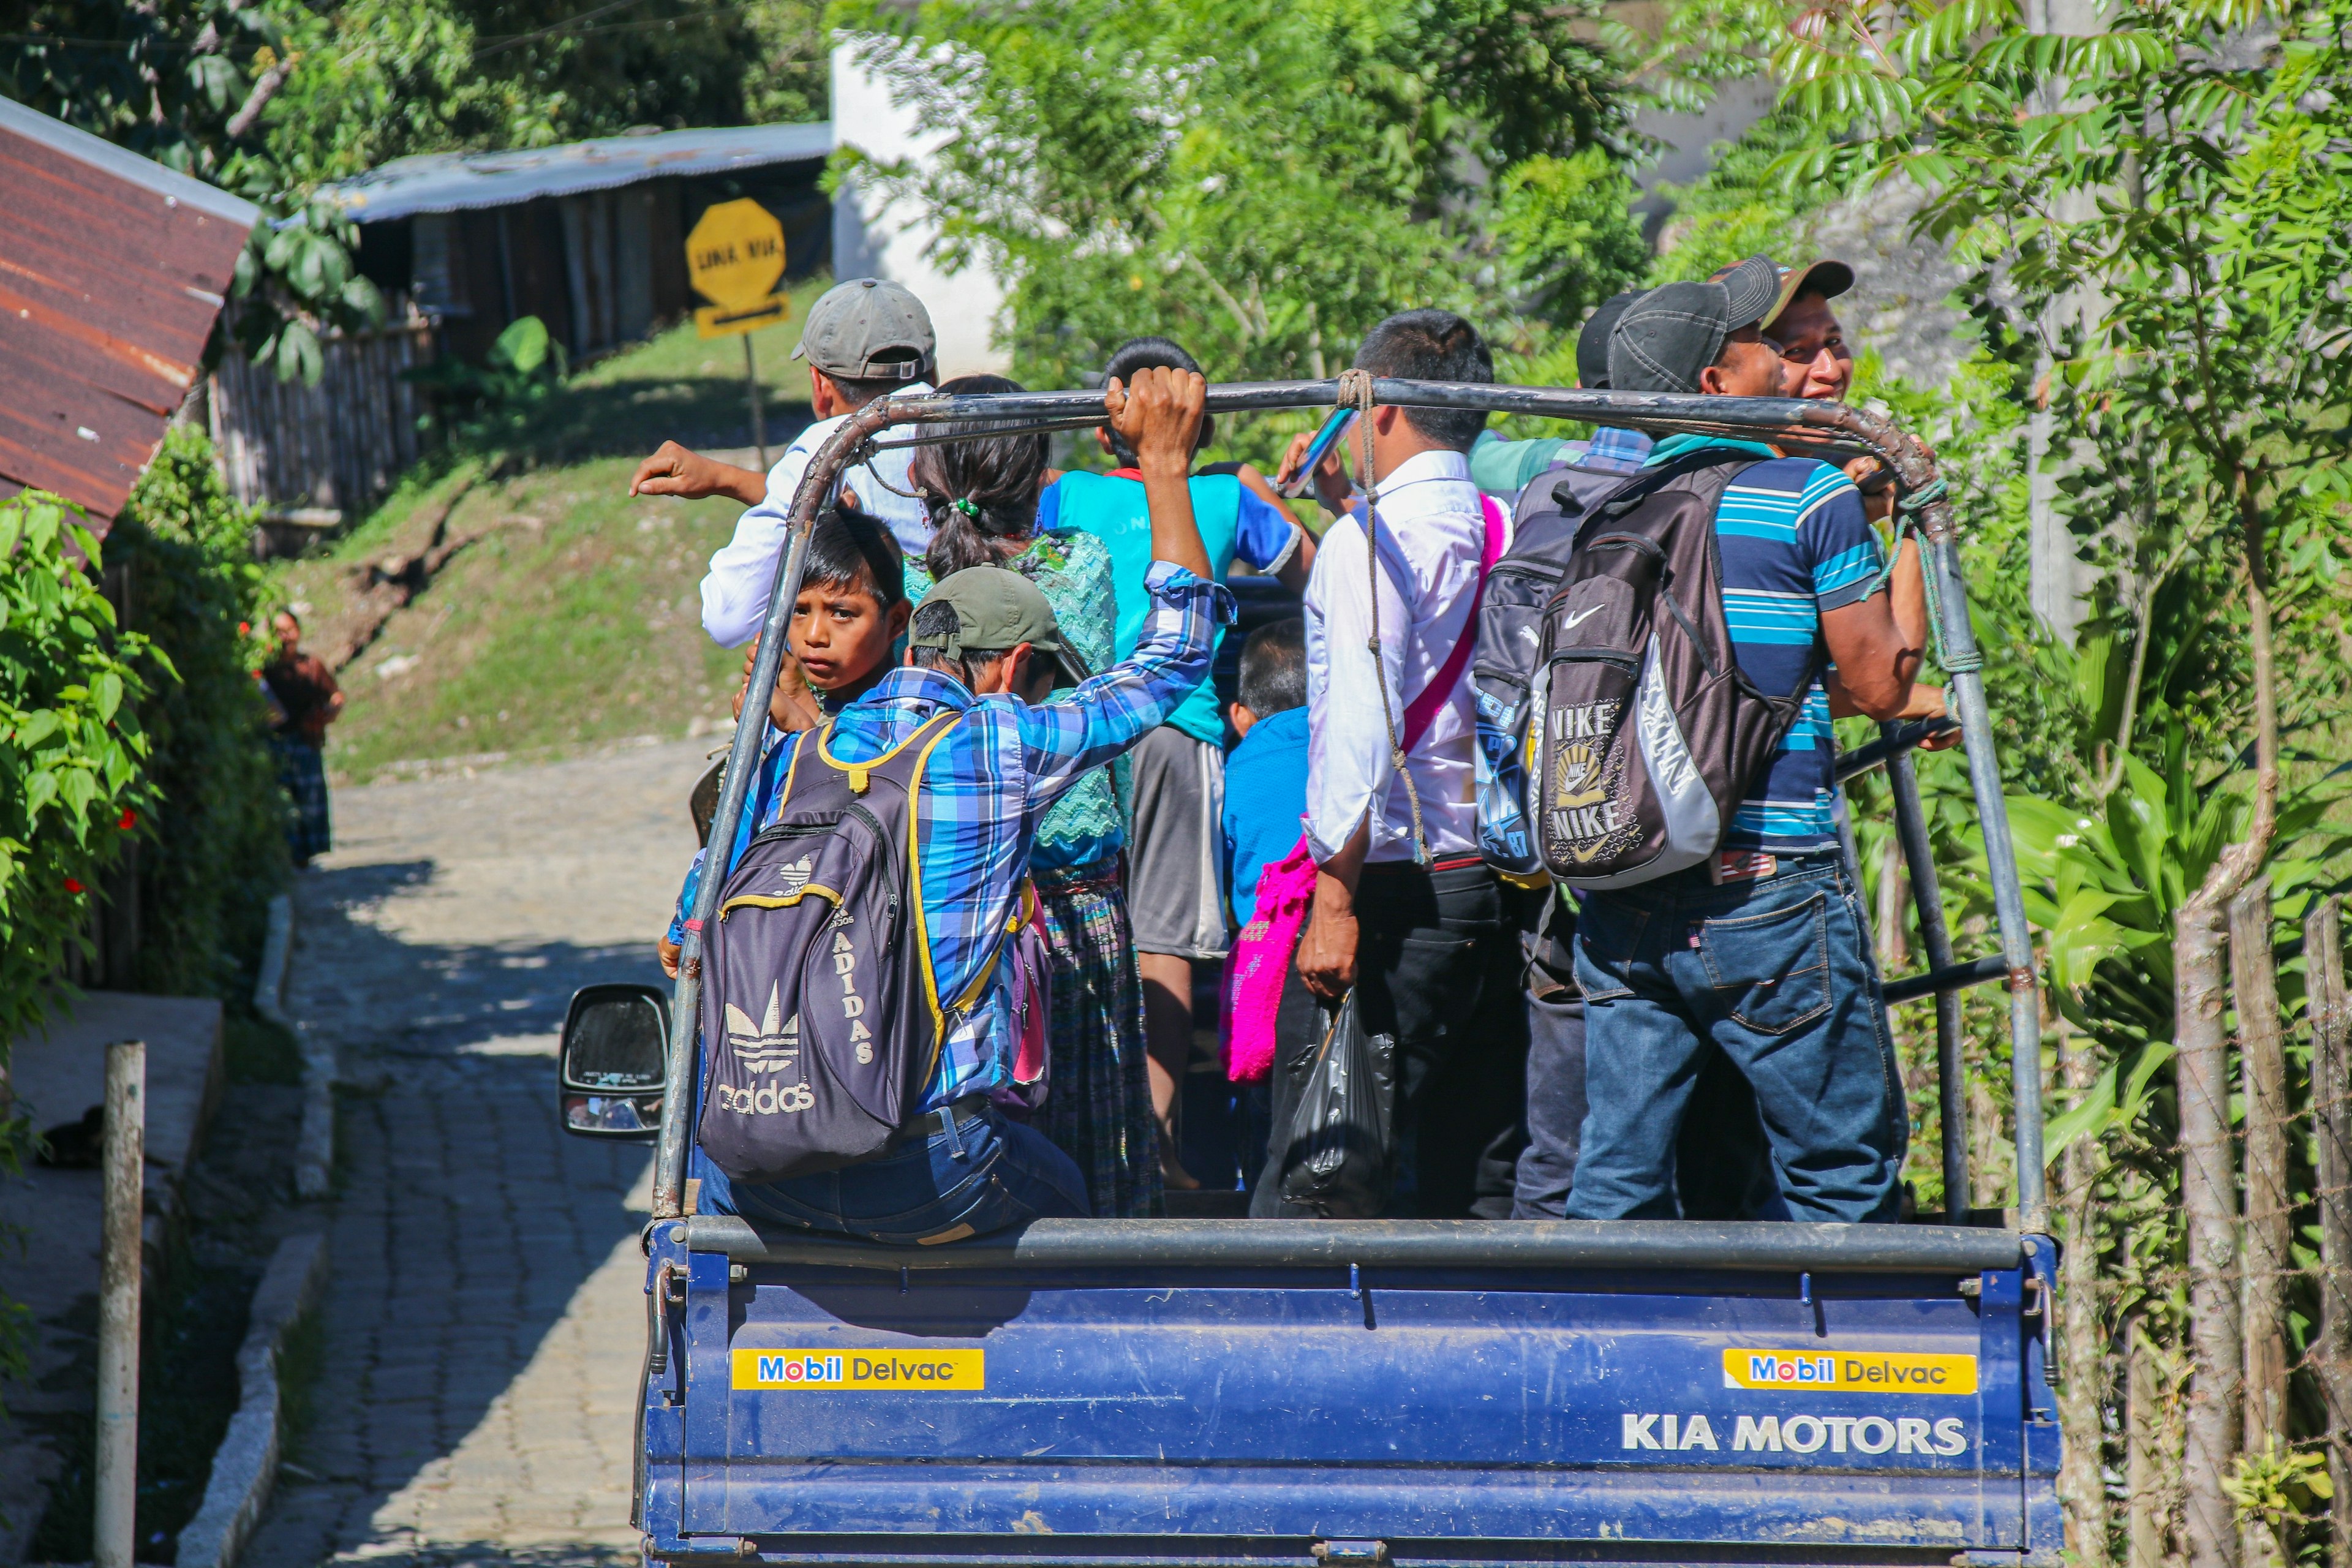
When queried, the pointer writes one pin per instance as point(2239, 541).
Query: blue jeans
point(1556, 1106)
point(988, 1174)
point(1777, 972)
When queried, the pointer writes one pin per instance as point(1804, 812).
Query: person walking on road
point(306, 699)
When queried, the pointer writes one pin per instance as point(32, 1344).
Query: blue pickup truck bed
point(1246, 1392)
point(1261, 1391)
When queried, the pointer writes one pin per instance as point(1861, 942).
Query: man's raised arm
point(1160, 416)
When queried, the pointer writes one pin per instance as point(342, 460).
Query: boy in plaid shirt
point(989, 649)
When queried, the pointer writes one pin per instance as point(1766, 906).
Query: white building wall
point(873, 238)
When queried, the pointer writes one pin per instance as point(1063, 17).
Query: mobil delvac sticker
point(904, 1372)
point(1849, 1372)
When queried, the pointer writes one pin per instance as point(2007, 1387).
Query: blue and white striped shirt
point(1794, 544)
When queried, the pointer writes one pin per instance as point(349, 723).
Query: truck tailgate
point(1227, 1391)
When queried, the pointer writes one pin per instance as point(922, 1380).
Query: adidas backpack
point(818, 1037)
point(1645, 732)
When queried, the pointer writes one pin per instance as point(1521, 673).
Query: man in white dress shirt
point(1430, 949)
point(864, 339)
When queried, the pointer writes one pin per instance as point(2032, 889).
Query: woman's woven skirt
point(1099, 1108)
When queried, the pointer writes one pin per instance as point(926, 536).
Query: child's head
point(981, 491)
point(1147, 353)
point(1274, 672)
point(853, 603)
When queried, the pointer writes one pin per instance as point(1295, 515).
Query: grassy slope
point(575, 620)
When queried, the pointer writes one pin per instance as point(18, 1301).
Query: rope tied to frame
point(1926, 496)
point(1356, 393)
point(862, 458)
point(1954, 663)
point(1907, 525)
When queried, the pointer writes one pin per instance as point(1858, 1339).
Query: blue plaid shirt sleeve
point(1064, 739)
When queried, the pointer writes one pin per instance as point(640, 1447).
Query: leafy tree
point(2158, 214)
point(1261, 182)
point(1563, 231)
point(1738, 208)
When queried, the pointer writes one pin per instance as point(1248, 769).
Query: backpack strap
point(1426, 708)
point(936, 730)
point(859, 772)
point(792, 768)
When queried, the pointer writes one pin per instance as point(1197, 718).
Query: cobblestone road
point(485, 1321)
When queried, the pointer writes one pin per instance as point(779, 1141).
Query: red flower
point(72, 885)
point(245, 628)
point(130, 820)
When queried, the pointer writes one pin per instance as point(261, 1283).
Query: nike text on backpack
point(821, 1017)
point(1510, 625)
point(1645, 733)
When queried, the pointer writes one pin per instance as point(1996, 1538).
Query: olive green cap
point(995, 608)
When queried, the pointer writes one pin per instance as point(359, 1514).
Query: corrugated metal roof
point(175, 188)
point(112, 270)
point(453, 182)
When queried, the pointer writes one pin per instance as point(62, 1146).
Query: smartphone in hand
point(1336, 426)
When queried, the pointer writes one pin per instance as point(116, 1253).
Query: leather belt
point(932, 1123)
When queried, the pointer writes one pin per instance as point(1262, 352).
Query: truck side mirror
point(611, 1065)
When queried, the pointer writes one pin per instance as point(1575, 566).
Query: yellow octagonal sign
point(735, 254)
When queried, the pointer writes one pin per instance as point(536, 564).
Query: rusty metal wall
point(112, 270)
point(340, 444)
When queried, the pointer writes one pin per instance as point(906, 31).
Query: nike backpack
point(1645, 732)
point(1551, 510)
point(821, 1020)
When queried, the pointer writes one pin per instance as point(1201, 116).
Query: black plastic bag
point(1341, 1160)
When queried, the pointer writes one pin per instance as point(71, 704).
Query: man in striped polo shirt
point(1764, 951)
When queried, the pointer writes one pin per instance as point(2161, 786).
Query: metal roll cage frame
point(1815, 428)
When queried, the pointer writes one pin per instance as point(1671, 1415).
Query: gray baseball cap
point(868, 329)
point(1592, 341)
point(1670, 335)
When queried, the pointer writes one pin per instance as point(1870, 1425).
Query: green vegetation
point(1262, 183)
point(72, 750)
point(215, 848)
point(2154, 215)
point(574, 620)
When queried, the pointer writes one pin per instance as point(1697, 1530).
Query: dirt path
point(485, 1320)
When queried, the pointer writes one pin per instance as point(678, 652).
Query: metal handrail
point(1741, 1246)
point(1803, 425)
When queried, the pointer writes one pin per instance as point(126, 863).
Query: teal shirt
point(1502, 467)
point(1113, 510)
